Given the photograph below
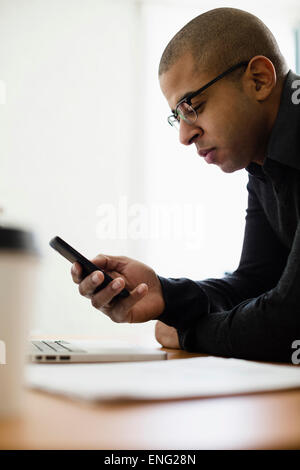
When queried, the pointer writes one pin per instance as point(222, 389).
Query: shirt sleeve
point(250, 314)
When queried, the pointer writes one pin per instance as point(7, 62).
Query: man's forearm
point(261, 328)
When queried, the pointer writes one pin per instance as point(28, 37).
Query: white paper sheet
point(181, 378)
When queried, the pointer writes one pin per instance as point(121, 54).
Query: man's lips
point(204, 152)
point(208, 154)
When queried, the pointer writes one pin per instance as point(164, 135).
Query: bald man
point(231, 95)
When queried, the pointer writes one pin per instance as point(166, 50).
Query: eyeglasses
point(184, 109)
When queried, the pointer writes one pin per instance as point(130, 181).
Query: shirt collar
point(284, 142)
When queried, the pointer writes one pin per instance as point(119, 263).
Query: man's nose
point(188, 132)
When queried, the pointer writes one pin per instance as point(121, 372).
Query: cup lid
point(16, 239)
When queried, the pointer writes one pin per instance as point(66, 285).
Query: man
point(233, 97)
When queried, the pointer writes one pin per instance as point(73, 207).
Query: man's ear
point(260, 77)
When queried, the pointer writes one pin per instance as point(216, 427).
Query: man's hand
point(145, 302)
point(166, 335)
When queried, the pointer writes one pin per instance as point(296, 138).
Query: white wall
point(84, 124)
point(67, 136)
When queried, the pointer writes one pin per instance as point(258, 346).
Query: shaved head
point(221, 38)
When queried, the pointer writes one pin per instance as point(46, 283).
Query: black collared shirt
point(253, 313)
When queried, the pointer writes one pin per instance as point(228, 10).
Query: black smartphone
point(87, 266)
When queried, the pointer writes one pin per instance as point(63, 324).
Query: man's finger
point(166, 335)
point(123, 311)
point(110, 263)
point(90, 283)
point(76, 272)
point(104, 297)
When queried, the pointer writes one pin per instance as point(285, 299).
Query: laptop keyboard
point(51, 347)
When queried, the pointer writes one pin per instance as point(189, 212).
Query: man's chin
point(229, 167)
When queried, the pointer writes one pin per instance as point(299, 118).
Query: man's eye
point(199, 106)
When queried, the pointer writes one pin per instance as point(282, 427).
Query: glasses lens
point(187, 113)
point(173, 121)
point(184, 111)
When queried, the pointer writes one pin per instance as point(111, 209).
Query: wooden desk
point(256, 421)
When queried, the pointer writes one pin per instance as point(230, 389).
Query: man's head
point(238, 111)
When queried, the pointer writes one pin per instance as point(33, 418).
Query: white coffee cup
point(18, 269)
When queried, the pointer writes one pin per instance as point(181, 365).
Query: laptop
point(77, 351)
